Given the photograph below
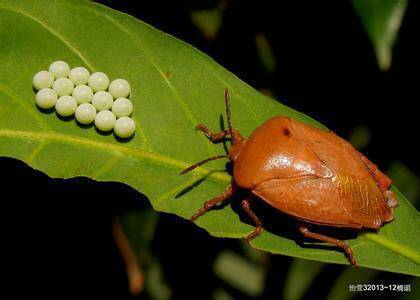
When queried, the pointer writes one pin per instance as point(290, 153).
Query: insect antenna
point(190, 168)
point(227, 101)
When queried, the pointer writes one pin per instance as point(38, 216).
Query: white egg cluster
point(89, 97)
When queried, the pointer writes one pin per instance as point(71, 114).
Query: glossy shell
point(313, 175)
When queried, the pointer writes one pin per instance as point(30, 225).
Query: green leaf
point(382, 20)
point(174, 86)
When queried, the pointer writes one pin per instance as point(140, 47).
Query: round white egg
point(82, 94)
point(105, 120)
point(102, 100)
point(42, 80)
point(122, 107)
point(98, 81)
point(124, 127)
point(60, 69)
point(46, 98)
point(119, 88)
point(85, 113)
point(63, 86)
point(79, 75)
point(66, 106)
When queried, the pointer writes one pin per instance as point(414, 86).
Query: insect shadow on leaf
point(274, 221)
point(85, 126)
point(64, 119)
point(45, 111)
point(123, 140)
point(104, 133)
point(195, 184)
point(228, 166)
point(224, 141)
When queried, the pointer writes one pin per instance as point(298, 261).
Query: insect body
point(308, 173)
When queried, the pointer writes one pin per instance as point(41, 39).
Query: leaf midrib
point(394, 246)
point(141, 154)
point(176, 164)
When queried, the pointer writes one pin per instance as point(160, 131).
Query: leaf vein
point(36, 151)
point(53, 32)
point(182, 103)
point(244, 100)
point(106, 166)
point(141, 154)
point(20, 101)
point(394, 246)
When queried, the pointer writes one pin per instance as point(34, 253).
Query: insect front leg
point(212, 202)
point(339, 243)
point(214, 137)
point(258, 229)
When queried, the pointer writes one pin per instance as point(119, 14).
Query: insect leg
point(258, 229)
point(339, 243)
point(212, 202)
point(214, 137)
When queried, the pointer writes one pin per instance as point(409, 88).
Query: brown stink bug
point(308, 173)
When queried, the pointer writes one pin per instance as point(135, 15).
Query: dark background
point(56, 234)
point(326, 67)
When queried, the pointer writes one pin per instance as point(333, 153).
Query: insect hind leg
point(339, 243)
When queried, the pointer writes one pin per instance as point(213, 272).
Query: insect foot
point(257, 231)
